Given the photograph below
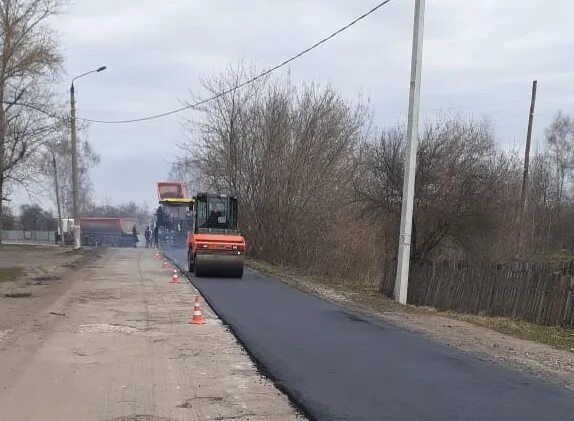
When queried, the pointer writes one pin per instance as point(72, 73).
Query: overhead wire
point(247, 82)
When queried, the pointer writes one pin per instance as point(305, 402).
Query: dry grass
point(8, 274)
point(554, 336)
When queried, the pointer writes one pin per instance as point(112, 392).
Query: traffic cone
point(197, 318)
point(164, 264)
point(156, 255)
point(174, 277)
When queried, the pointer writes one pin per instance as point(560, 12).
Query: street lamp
point(75, 181)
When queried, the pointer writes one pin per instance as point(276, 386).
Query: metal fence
point(23, 236)
point(538, 292)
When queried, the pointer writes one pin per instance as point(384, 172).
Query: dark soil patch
point(18, 294)
point(88, 256)
point(43, 280)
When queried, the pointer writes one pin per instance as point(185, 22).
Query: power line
point(247, 82)
point(35, 108)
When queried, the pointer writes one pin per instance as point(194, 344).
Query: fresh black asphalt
point(339, 365)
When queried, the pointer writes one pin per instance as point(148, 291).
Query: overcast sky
point(480, 58)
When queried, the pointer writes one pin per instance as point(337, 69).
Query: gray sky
point(479, 59)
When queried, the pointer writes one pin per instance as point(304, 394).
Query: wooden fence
point(542, 293)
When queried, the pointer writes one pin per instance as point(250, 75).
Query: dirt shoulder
point(541, 351)
point(31, 279)
point(117, 346)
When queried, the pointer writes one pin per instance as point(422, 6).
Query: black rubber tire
point(198, 270)
point(190, 263)
point(239, 273)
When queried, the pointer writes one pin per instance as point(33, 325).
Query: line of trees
point(30, 218)
point(30, 62)
point(34, 126)
point(55, 161)
point(125, 210)
point(321, 189)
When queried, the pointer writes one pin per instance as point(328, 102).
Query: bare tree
point(34, 218)
point(59, 146)
point(127, 210)
point(460, 177)
point(29, 61)
point(8, 218)
point(288, 153)
point(185, 171)
point(560, 139)
point(318, 191)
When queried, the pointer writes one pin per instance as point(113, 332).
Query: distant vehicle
point(214, 244)
point(110, 232)
point(172, 216)
point(170, 190)
point(174, 219)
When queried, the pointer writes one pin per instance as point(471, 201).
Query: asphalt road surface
point(339, 365)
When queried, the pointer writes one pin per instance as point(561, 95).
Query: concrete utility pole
point(527, 150)
point(75, 181)
point(57, 185)
point(75, 177)
point(403, 262)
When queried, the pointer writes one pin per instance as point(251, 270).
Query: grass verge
point(556, 337)
point(8, 274)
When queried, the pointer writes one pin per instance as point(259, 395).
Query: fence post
point(541, 301)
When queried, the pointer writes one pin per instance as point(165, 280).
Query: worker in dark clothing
point(213, 220)
point(147, 235)
point(156, 237)
point(135, 235)
point(160, 216)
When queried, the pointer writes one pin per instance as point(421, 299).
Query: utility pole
point(58, 198)
point(75, 176)
point(75, 181)
point(527, 150)
point(523, 192)
point(403, 262)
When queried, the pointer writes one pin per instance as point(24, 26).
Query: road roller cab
point(214, 245)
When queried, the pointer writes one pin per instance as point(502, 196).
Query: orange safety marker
point(164, 264)
point(174, 277)
point(197, 318)
point(156, 254)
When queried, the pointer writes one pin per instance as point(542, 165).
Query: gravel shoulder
point(467, 333)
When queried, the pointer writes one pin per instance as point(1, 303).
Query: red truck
point(110, 232)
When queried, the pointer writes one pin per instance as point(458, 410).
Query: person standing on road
point(156, 237)
point(147, 235)
point(135, 235)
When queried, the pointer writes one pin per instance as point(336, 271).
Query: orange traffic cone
point(174, 277)
point(156, 254)
point(164, 264)
point(197, 318)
